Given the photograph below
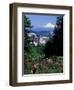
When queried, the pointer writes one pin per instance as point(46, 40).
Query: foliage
point(48, 50)
point(34, 53)
point(58, 37)
point(27, 27)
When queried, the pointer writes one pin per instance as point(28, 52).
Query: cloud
point(49, 25)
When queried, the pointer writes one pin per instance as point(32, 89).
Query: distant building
point(43, 40)
point(38, 40)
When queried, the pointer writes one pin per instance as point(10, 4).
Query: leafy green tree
point(33, 53)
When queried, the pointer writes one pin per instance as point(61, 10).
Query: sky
point(46, 21)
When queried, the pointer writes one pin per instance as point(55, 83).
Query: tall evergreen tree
point(49, 49)
point(58, 37)
point(27, 27)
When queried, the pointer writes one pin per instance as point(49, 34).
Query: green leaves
point(34, 52)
